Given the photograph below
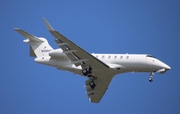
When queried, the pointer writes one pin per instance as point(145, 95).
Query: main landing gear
point(151, 77)
point(87, 71)
point(93, 83)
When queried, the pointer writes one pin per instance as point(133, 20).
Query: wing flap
point(64, 47)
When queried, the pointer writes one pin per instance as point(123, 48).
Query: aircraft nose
point(166, 66)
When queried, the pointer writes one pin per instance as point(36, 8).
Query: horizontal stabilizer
point(28, 35)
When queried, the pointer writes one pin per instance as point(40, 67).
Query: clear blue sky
point(129, 26)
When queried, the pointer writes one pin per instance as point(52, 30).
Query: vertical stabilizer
point(39, 46)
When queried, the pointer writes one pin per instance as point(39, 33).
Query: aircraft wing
point(96, 93)
point(76, 54)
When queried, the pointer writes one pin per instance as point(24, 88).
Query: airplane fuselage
point(119, 63)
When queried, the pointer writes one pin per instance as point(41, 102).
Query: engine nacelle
point(56, 53)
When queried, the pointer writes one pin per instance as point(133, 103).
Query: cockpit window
point(150, 56)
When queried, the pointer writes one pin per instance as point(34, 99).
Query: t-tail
point(39, 47)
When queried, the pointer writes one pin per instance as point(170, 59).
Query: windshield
point(150, 56)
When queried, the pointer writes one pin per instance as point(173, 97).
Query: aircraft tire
point(85, 72)
point(150, 79)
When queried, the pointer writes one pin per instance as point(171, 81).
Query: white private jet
point(100, 69)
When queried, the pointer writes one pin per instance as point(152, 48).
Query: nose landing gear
point(151, 77)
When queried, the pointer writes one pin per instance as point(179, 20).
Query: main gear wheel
point(87, 71)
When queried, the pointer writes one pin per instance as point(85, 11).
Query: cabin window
point(109, 57)
point(103, 57)
point(96, 56)
point(115, 57)
point(127, 57)
point(121, 57)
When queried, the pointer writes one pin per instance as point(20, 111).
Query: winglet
point(48, 26)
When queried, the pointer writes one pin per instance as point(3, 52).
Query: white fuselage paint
point(120, 63)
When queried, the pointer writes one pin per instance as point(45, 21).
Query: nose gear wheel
point(151, 77)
